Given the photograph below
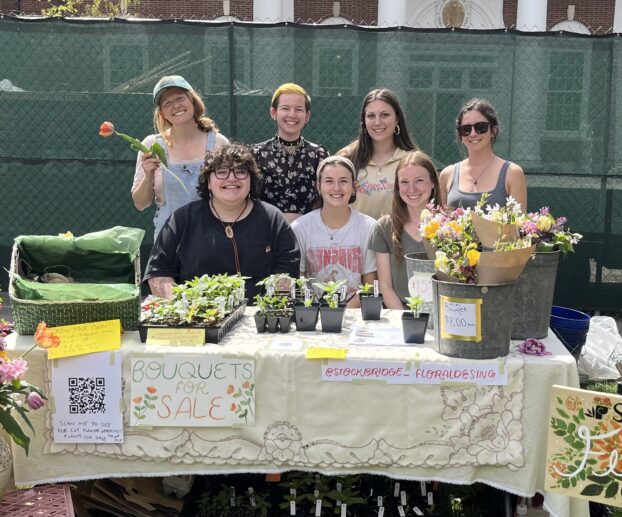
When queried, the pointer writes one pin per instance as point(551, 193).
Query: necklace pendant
point(229, 231)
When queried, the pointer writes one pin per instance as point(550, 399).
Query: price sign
point(420, 284)
point(461, 318)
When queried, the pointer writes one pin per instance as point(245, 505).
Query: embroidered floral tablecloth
point(450, 432)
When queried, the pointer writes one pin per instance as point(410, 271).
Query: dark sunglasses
point(224, 174)
point(480, 128)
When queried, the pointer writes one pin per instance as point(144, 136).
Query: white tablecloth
point(458, 433)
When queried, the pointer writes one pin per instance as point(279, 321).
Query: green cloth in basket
point(105, 256)
point(67, 292)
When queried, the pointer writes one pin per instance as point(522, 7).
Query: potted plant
point(214, 303)
point(414, 324)
point(331, 311)
point(371, 301)
point(306, 308)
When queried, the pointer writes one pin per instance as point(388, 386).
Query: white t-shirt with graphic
point(344, 256)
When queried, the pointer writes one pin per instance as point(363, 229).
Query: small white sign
point(460, 318)
point(87, 398)
point(420, 284)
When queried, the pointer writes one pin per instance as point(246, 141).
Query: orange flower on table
point(137, 400)
point(230, 389)
point(45, 337)
point(234, 406)
point(245, 385)
point(152, 389)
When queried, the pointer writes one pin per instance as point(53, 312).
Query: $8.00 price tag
point(460, 318)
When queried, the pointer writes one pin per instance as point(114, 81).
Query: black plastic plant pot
point(371, 306)
point(273, 323)
point(260, 323)
point(284, 323)
point(414, 328)
point(332, 319)
point(306, 317)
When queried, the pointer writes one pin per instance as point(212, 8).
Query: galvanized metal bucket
point(473, 321)
point(420, 270)
point(533, 297)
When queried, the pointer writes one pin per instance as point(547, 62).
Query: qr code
point(87, 394)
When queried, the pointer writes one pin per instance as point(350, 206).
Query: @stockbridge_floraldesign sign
point(585, 445)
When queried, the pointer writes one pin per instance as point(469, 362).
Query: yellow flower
point(430, 229)
point(455, 226)
point(425, 215)
point(544, 223)
point(473, 257)
point(441, 262)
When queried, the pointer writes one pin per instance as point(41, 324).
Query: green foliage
point(366, 288)
point(331, 291)
point(197, 302)
point(414, 304)
point(91, 8)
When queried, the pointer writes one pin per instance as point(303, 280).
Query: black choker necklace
point(290, 148)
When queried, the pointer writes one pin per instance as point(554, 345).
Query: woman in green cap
point(186, 134)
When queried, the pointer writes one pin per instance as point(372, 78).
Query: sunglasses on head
point(480, 128)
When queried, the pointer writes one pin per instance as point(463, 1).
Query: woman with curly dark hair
point(227, 231)
point(382, 142)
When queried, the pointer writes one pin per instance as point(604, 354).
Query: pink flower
point(13, 370)
point(34, 400)
point(533, 347)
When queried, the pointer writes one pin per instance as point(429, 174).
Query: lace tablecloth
point(458, 433)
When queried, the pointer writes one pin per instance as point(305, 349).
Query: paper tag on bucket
point(461, 318)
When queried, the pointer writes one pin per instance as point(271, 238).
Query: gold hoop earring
point(397, 129)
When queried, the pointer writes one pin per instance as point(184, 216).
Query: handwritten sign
point(314, 352)
point(483, 373)
point(584, 456)
point(192, 391)
point(489, 373)
point(86, 338)
point(175, 336)
point(86, 392)
point(420, 284)
point(461, 318)
point(354, 370)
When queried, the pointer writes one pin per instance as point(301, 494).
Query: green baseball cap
point(169, 81)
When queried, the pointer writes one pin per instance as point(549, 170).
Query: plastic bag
point(602, 340)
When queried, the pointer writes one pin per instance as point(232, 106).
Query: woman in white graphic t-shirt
point(333, 238)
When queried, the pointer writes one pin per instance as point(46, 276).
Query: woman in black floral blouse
point(287, 161)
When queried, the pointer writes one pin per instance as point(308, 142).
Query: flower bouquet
point(547, 232)
point(497, 224)
point(17, 395)
point(451, 235)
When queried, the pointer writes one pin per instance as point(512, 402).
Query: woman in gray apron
point(186, 134)
point(463, 183)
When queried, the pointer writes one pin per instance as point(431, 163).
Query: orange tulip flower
point(45, 337)
point(106, 129)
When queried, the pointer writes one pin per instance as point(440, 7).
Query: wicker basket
point(27, 314)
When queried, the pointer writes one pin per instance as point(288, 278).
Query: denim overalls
point(174, 195)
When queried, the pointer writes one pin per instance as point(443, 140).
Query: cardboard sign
point(86, 391)
point(192, 391)
point(175, 336)
point(461, 318)
point(86, 338)
point(584, 456)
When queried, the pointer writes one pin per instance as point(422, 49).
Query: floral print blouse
point(288, 181)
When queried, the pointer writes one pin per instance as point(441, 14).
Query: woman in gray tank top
point(463, 183)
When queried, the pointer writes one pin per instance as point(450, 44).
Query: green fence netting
point(555, 93)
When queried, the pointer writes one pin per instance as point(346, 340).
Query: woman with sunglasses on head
point(395, 235)
point(186, 134)
point(463, 183)
point(228, 230)
point(333, 238)
point(287, 161)
point(382, 142)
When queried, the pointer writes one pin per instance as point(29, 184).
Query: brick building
point(586, 16)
